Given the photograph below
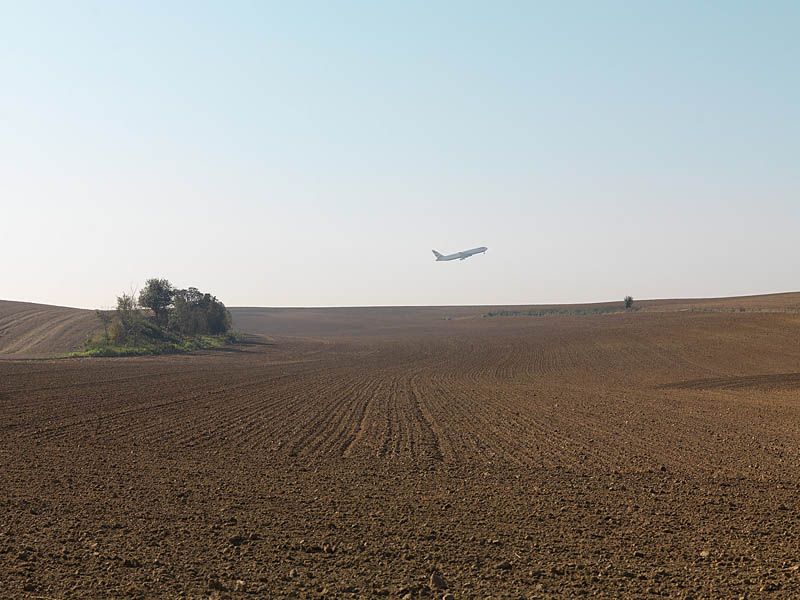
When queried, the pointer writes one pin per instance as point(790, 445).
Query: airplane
point(460, 255)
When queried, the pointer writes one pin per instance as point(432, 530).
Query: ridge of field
point(333, 321)
point(40, 330)
point(645, 454)
point(31, 329)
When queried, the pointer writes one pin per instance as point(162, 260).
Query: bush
point(196, 313)
point(181, 320)
point(628, 301)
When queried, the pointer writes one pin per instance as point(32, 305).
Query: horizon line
point(478, 305)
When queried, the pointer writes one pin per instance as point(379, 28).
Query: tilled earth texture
point(415, 454)
point(40, 330)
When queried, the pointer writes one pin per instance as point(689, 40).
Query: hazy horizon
point(110, 305)
point(280, 155)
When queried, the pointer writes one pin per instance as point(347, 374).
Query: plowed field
point(654, 453)
point(39, 329)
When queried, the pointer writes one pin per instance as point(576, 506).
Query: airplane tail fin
point(436, 254)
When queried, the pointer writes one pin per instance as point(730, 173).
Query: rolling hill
point(38, 330)
point(28, 329)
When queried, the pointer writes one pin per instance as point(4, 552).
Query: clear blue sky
point(314, 153)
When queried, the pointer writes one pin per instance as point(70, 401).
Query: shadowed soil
point(622, 455)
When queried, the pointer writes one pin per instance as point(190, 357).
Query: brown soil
point(621, 455)
point(42, 330)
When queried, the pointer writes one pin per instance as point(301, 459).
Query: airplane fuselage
point(460, 255)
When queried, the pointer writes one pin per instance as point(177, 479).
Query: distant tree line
point(163, 313)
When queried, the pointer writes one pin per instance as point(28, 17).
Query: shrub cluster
point(196, 313)
point(161, 318)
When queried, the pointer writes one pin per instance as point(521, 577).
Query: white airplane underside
point(460, 255)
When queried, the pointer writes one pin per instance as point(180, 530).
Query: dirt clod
point(437, 581)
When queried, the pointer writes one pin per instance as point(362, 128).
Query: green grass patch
point(95, 349)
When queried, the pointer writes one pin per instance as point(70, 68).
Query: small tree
point(105, 318)
point(128, 319)
point(628, 302)
point(157, 295)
